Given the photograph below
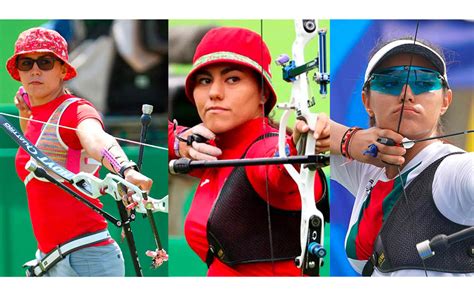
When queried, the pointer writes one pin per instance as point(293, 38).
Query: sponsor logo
point(55, 167)
point(23, 142)
point(204, 182)
point(34, 152)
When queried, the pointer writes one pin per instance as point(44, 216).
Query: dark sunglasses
point(44, 63)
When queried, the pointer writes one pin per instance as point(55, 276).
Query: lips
point(407, 109)
point(35, 83)
point(216, 109)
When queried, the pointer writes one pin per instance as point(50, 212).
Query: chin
point(414, 134)
point(219, 127)
point(212, 125)
point(36, 91)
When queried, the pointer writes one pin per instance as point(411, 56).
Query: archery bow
point(295, 71)
point(91, 186)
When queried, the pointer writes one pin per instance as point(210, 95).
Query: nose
point(35, 69)
point(407, 94)
point(216, 90)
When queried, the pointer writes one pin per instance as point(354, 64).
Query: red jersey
point(233, 145)
point(56, 216)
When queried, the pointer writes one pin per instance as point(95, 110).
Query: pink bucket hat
point(237, 46)
point(40, 40)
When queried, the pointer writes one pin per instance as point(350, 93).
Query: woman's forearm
point(94, 139)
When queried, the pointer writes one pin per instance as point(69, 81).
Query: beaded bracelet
point(346, 138)
point(349, 140)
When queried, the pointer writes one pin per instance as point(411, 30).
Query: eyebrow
point(42, 56)
point(223, 71)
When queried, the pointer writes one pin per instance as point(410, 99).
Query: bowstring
point(262, 98)
point(78, 130)
point(402, 183)
point(403, 108)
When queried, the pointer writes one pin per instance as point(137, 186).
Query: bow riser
point(110, 185)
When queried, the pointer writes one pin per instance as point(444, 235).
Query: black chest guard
point(238, 226)
point(414, 220)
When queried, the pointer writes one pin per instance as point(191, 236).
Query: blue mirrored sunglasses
point(391, 80)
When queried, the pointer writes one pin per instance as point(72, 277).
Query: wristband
point(113, 162)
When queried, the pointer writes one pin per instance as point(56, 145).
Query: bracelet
point(345, 141)
point(353, 132)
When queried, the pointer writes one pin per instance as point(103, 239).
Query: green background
point(9, 31)
point(279, 36)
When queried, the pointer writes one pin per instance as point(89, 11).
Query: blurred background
point(351, 42)
point(184, 35)
point(121, 65)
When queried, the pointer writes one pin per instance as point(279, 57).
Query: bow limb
point(312, 219)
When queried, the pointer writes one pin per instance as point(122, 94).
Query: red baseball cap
point(233, 45)
point(40, 40)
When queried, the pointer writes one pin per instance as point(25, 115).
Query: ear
point(266, 95)
point(447, 99)
point(63, 71)
point(366, 102)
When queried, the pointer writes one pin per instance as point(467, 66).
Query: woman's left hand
point(321, 132)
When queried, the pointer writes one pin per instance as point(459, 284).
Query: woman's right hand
point(362, 139)
point(21, 105)
point(199, 151)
